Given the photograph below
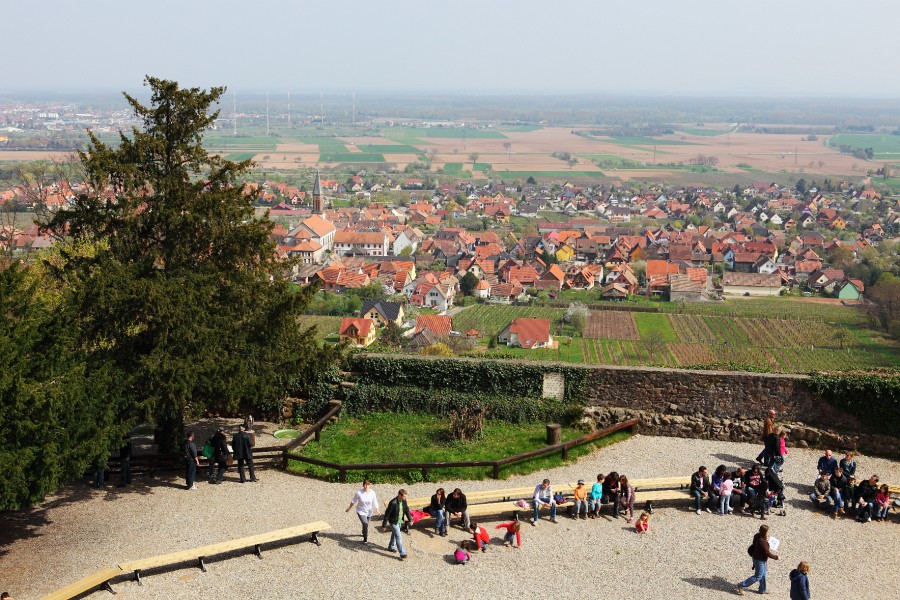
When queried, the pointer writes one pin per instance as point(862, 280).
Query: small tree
point(576, 315)
point(473, 158)
point(468, 283)
point(654, 344)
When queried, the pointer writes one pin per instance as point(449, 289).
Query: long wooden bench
point(473, 498)
point(201, 553)
point(82, 586)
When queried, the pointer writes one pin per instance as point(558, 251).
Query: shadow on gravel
point(711, 583)
point(731, 459)
point(354, 543)
point(27, 523)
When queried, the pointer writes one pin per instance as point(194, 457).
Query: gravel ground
point(685, 555)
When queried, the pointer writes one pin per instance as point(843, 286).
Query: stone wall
point(724, 405)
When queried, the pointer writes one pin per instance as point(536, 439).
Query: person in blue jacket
point(800, 582)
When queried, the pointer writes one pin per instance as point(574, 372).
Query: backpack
point(750, 549)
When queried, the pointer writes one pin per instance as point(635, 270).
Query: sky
point(763, 48)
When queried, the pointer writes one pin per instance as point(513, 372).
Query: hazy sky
point(692, 47)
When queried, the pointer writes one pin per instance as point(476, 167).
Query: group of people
point(837, 490)
point(216, 452)
point(752, 490)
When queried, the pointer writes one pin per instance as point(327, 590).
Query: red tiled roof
point(531, 331)
point(436, 323)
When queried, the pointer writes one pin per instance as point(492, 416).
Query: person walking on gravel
point(218, 464)
point(397, 512)
point(191, 461)
point(366, 504)
point(768, 433)
point(761, 553)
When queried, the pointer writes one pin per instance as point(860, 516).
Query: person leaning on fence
point(543, 496)
point(366, 504)
point(191, 461)
point(397, 512)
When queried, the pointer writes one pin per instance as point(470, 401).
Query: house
point(527, 333)
point(614, 291)
point(362, 242)
point(359, 332)
point(849, 289)
point(382, 312)
point(751, 284)
point(436, 324)
point(408, 238)
point(683, 288)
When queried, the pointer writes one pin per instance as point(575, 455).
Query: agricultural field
point(326, 327)
point(883, 144)
point(839, 339)
point(612, 325)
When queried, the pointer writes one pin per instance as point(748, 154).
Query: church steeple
point(317, 195)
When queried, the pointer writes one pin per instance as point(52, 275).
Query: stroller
point(775, 503)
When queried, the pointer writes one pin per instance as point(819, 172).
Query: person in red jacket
point(480, 535)
point(513, 530)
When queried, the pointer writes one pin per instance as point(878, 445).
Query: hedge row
point(493, 377)
point(874, 398)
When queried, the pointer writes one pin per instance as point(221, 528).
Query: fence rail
point(495, 465)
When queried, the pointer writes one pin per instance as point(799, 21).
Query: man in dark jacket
point(397, 512)
point(701, 488)
point(243, 452)
point(219, 458)
point(457, 506)
point(866, 495)
point(191, 461)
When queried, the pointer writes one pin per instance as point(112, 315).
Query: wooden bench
point(473, 498)
point(201, 553)
point(100, 578)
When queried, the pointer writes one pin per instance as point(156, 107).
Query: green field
point(251, 142)
point(453, 168)
point(645, 141)
point(351, 157)
point(701, 132)
point(390, 149)
point(550, 174)
point(883, 144)
point(239, 156)
point(329, 145)
point(393, 438)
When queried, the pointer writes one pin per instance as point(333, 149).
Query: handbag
point(207, 450)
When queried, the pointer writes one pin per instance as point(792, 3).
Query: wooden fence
point(495, 465)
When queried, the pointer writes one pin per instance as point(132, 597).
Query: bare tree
point(655, 345)
point(507, 146)
point(474, 158)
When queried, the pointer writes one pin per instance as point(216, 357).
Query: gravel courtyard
point(685, 555)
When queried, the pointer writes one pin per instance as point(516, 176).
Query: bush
point(873, 397)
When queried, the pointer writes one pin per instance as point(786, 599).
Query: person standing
point(457, 506)
point(761, 554)
point(397, 512)
point(543, 496)
point(125, 462)
point(800, 582)
point(366, 504)
point(243, 452)
point(219, 461)
point(768, 433)
point(191, 461)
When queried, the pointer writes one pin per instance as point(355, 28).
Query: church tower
point(318, 205)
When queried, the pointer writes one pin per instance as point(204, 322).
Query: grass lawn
point(658, 323)
point(389, 437)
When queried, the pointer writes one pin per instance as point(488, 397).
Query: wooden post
point(342, 476)
point(496, 473)
point(318, 434)
point(565, 453)
point(554, 433)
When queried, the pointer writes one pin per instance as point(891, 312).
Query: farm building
point(849, 289)
point(437, 324)
point(685, 289)
point(360, 332)
point(527, 333)
point(751, 284)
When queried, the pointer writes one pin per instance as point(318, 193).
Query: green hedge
point(510, 391)
point(874, 398)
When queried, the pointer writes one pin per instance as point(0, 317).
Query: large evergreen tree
point(184, 293)
point(56, 421)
